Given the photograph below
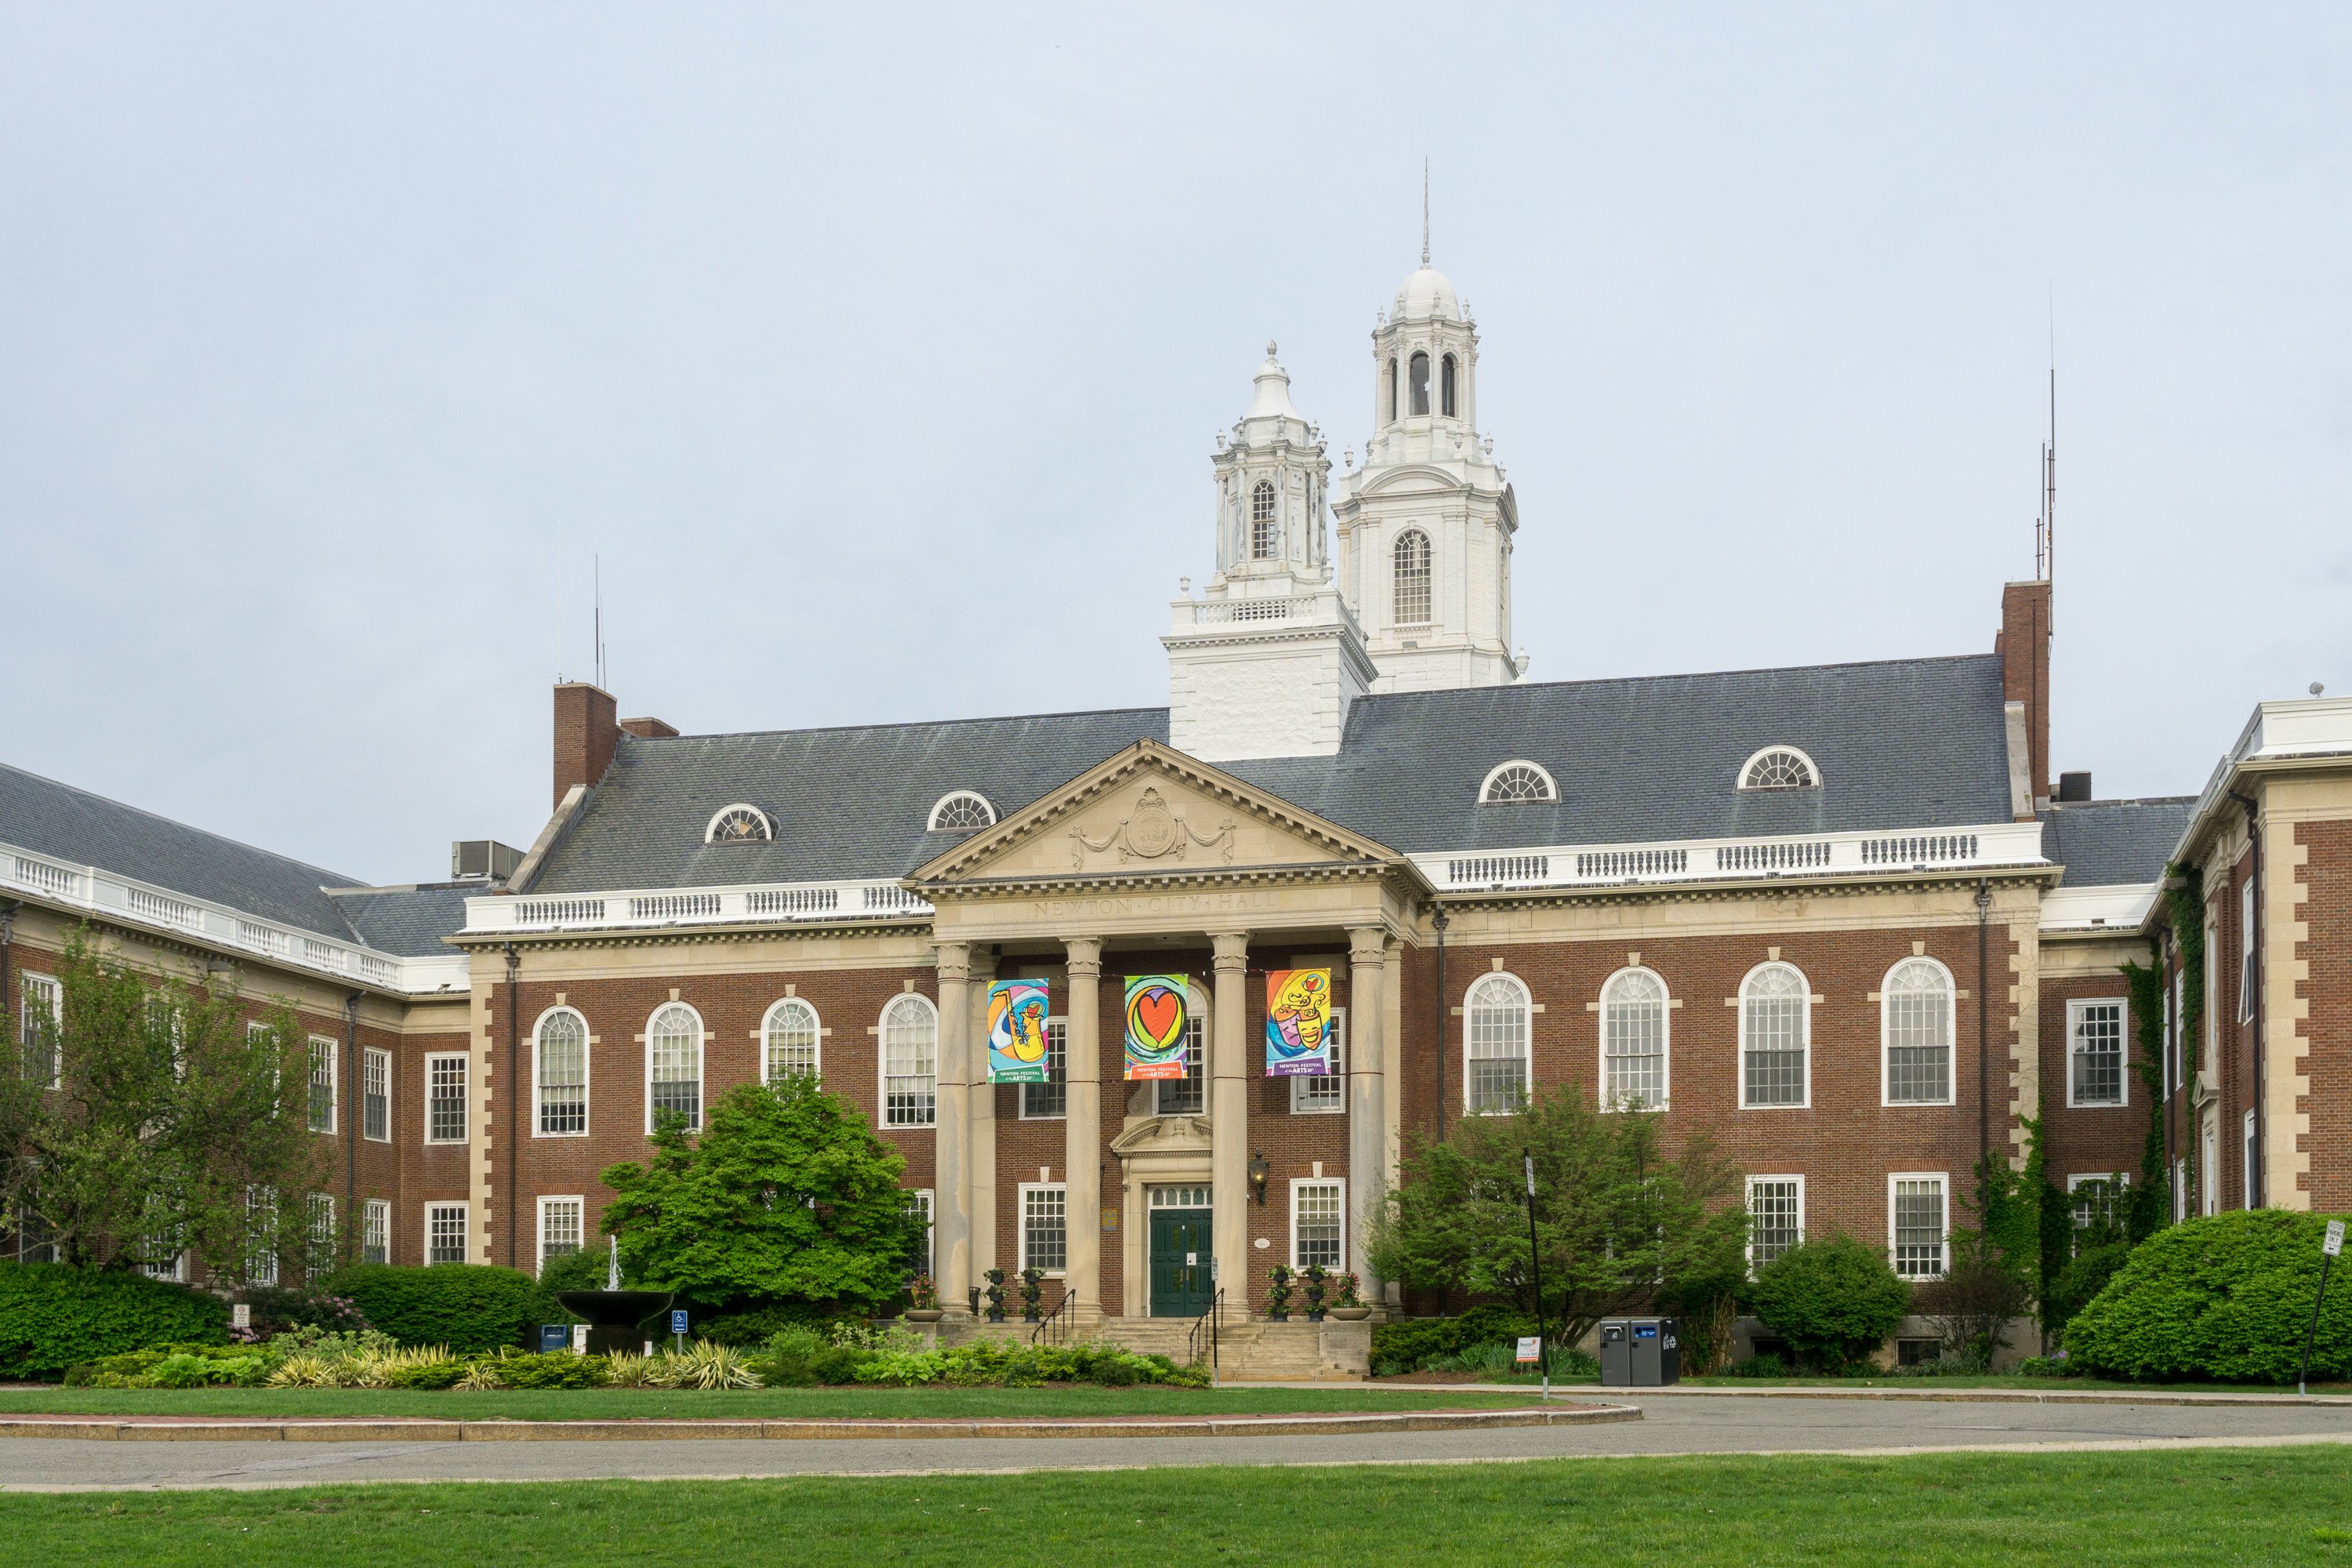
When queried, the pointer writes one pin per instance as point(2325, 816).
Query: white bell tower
point(1268, 661)
point(1427, 524)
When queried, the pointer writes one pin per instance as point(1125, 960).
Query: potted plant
point(1277, 1294)
point(1315, 1274)
point(1032, 1291)
point(1349, 1307)
point(923, 1300)
point(995, 1278)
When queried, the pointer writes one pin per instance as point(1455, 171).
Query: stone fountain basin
point(613, 1315)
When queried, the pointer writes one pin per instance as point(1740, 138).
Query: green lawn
point(2276, 1506)
point(612, 1404)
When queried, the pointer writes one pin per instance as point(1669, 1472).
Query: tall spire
point(1425, 212)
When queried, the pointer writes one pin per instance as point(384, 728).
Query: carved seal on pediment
point(1151, 832)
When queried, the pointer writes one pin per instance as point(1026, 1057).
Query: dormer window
point(1261, 522)
point(1780, 767)
point(961, 811)
point(1517, 782)
point(739, 824)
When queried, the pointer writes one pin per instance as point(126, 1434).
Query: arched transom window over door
point(562, 1074)
point(674, 1064)
point(1775, 1036)
point(1262, 526)
point(1634, 1041)
point(1494, 1065)
point(789, 1041)
point(911, 1062)
point(1916, 1021)
point(1412, 595)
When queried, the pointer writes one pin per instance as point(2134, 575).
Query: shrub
point(1412, 1344)
point(1833, 1300)
point(1974, 1303)
point(582, 1271)
point(52, 1316)
point(1765, 1365)
point(758, 1325)
point(2080, 1280)
point(278, 1308)
point(2227, 1297)
point(467, 1307)
point(837, 1364)
point(192, 1366)
point(556, 1369)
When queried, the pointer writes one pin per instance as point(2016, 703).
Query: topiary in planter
point(2228, 1297)
point(1833, 1300)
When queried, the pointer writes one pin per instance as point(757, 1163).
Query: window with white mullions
point(1185, 1096)
point(1050, 1100)
point(260, 1236)
point(322, 1084)
point(1318, 1224)
point(1634, 1041)
point(563, 1227)
point(1775, 1036)
point(1917, 1224)
point(1496, 1068)
point(375, 1232)
point(444, 1099)
point(1264, 534)
point(445, 1233)
point(40, 1014)
point(2094, 1052)
point(919, 1207)
point(375, 1095)
point(1412, 578)
point(790, 1038)
point(2097, 1203)
point(911, 1062)
point(1916, 1029)
point(1776, 1217)
point(1324, 1094)
point(674, 1064)
point(321, 1242)
point(1045, 1228)
point(561, 1045)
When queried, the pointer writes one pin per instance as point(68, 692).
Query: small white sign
point(1191, 1261)
point(1531, 1349)
point(2334, 1245)
point(580, 1338)
point(240, 1316)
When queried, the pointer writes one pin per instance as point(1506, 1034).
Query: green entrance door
point(1179, 1262)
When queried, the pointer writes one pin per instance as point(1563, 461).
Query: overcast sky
point(879, 354)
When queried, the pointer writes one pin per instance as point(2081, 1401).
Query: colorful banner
point(1016, 1032)
point(1297, 1023)
point(1157, 1008)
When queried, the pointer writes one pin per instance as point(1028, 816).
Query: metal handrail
point(1054, 1328)
point(1207, 1323)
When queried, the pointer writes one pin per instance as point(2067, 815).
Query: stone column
point(1082, 1128)
point(979, 1154)
point(950, 1195)
point(1368, 1128)
point(1230, 1060)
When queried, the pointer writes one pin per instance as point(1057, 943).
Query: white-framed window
point(1050, 1100)
point(1776, 1037)
point(1517, 782)
point(674, 1063)
point(445, 1096)
point(1045, 1227)
point(1264, 534)
point(562, 1227)
point(2209, 1061)
point(40, 1022)
point(1186, 1096)
point(961, 811)
point(1412, 578)
point(1776, 1218)
point(2096, 1198)
point(375, 1095)
point(1780, 767)
point(1633, 1030)
point(322, 1084)
point(1319, 1223)
point(2209, 1166)
point(560, 1074)
point(173, 1267)
point(2174, 1036)
point(1916, 1222)
point(319, 1244)
point(919, 1204)
point(2181, 1189)
point(791, 1040)
point(261, 1235)
point(2246, 977)
point(375, 1231)
point(738, 824)
point(1324, 1094)
point(2095, 1052)
point(2246, 1145)
point(445, 1233)
point(910, 1061)
point(1495, 1072)
point(1914, 1031)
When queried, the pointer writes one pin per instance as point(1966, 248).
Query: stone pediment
point(1152, 810)
point(1163, 1135)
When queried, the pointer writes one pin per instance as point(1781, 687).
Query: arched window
point(788, 1040)
point(1780, 767)
point(1495, 1068)
point(911, 1062)
point(1188, 1096)
point(1775, 1030)
point(1634, 1041)
point(674, 1064)
point(559, 1071)
point(1514, 782)
point(739, 824)
point(1392, 392)
point(1262, 531)
point(1914, 1024)
point(1445, 387)
point(1417, 378)
point(961, 811)
point(1412, 578)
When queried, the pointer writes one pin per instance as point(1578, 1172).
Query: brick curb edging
point(328, 1429)
point(1960, 1395)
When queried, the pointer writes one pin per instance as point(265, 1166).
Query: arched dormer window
point(1392, 392)
point(1780, 767)
point(1634, 1041)
point(1412, 578)
point(1262, 531)
point(739, 823)
point(1418, 380)
point(961, 811)
point(1914, 1013)
point(1515, 782)
point(1445, 400)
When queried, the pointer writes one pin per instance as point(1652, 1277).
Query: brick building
point(1836, 916)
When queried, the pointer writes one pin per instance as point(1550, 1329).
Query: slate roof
point(408, 922)
point(1903, 743)
point(2108, 843)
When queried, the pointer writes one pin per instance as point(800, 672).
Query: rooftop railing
point(1708, 859)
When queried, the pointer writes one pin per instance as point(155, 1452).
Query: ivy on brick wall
point(2151, 1199)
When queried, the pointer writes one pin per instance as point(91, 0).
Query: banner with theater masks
point(1016, 1032)
point(1297, 1023)
point(1158, 1009)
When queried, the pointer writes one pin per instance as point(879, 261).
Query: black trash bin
point(1640, 1352)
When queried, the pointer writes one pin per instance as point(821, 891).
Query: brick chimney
point(585, 735)
point(2023, 647)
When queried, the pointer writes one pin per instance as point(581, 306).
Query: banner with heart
point(1157, 1016)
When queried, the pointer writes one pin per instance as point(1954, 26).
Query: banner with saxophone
point(1016, 1032)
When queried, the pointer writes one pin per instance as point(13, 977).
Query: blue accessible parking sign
point(678, 1320)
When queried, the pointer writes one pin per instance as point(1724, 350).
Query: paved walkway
point(1728, 1424)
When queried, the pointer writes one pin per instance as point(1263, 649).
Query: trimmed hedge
point(1407, 1344)
point(469, 1307)
point(52, 1316)
point(2226, 1298)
